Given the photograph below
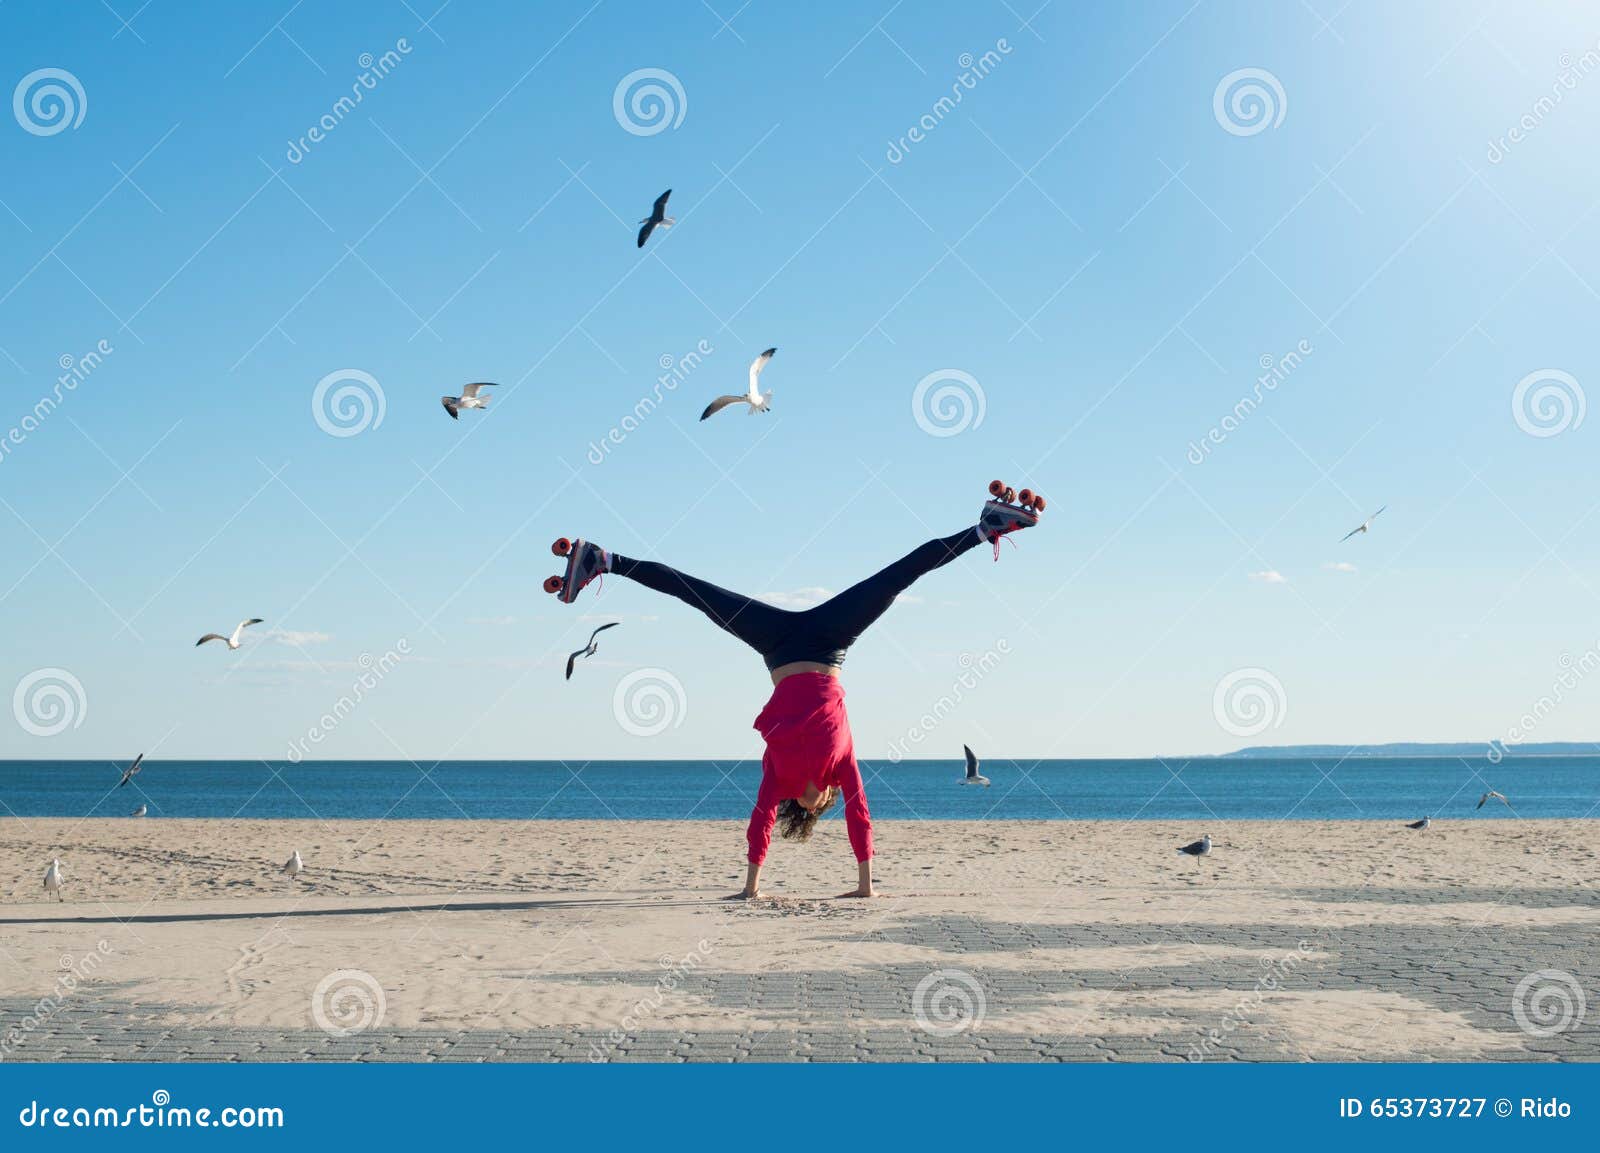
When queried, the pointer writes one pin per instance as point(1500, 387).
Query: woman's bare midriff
point(794, 667)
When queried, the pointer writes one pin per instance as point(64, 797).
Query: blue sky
point(1084, 235)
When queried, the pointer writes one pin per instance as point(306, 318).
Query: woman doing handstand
point(810, 760)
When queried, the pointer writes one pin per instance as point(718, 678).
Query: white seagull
point(233, 641)
point(131, 771)
point(1422, 824)
point(658, 218)
point(469, 398)
point(972, 777)
point(1491, 795)
point(140, 811)
point(294, 866)
point(757, 400)
point(1362, 527)
point(591, 648)
point(53, 879)
point(1200, 848)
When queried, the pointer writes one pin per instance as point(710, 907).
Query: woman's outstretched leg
point(846, 616)
point(757, 624)
point(761, 626)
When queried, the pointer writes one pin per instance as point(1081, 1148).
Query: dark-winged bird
point(590, 649)
point(658, 218)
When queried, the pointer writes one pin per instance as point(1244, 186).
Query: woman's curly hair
point(795, 821)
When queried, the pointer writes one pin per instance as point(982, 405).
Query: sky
point(1090, 257)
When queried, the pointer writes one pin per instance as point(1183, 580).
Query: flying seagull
point(131, 771)
point(1200, 848)
point(755, 398)
point(1422, 824)
point(294, 866)
point(1362, 527)
point(469, 398)
point(590, 649)
point(53, 879)
point(233, 641)
point(658, 218)
point(140, 811)
point(972, 777)
point(1491, 795)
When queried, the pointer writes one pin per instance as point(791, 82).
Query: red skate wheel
point(553, 584)
point(1038, 503)
point(1025, 496)
point(1010, 494)
point(996, 487)
point(561, 546)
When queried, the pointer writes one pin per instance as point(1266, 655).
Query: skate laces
point(998, 537)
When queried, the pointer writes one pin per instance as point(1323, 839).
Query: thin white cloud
point(1269, 576)
point(298, 638)
point(498, 621)
point(801, 598)
point(1340, 566)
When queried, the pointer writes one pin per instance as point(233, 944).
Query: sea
point(1361, 788)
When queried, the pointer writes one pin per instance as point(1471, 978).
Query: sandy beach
point(545, 940)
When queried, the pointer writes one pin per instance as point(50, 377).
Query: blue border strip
point(810, 1107)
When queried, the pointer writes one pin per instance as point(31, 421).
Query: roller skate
point(1007, 511)
point(585, 561)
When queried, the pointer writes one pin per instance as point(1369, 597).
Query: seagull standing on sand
point(1200, 848)
point(591, 648)
point(1491, 795)
point(1362, 527)
point(972, 777)
point(140, 811)
point(1426, 822)
point(294, 866)
point(658, 218)
point(469, 398)
point(131, 771)
point(755, 398)
point(53, 879)
point(233, 641)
